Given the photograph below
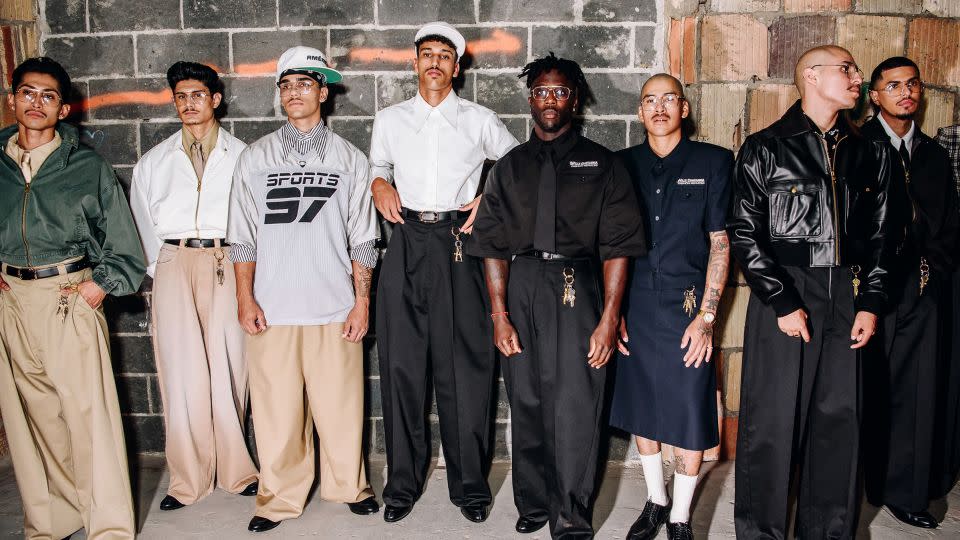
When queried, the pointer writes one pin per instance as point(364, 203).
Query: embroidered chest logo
point(691, 181)
point(582, 164)
point(288, 190)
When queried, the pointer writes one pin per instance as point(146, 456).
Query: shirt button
point(657, 218)
point(658, 191)
point(654, 244)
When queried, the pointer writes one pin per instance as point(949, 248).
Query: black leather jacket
point(794, 205)
point(929, 219)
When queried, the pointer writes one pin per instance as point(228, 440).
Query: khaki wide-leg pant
point(299, 372)
point(203, 376)
point(59, 405)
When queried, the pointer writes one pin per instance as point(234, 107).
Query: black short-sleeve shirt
point(597, 210)
point(685, 196)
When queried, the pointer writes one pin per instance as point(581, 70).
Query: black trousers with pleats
point(800, 407)
point(556, 398)
point(433, 321)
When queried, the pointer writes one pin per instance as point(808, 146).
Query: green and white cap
point(306, 60)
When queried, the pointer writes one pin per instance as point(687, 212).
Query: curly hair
point(569, 68)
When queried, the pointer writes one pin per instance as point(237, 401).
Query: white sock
point(683, 488)
point(653, 475)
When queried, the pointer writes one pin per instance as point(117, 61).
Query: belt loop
point(62, 269)
point(182, 242)
point(216, 243)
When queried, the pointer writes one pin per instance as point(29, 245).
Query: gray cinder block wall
point(118, 52)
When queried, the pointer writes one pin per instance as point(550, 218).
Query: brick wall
point(735, 55)
point(737, 59)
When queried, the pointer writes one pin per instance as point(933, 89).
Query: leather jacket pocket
point(795, 210)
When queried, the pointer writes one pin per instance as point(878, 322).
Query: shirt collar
point(560, 146)
point(293, 138)
point(894, 138)
point(449, 108)
point(38, 155)
point(207, 142)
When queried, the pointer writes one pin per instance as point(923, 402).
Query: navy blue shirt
point(685, 197)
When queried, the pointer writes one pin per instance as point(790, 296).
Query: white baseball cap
point(306, 59)
point(441, 28)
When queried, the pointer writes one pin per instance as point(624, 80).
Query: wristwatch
point(708, 317)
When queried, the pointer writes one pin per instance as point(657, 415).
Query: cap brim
point(330, 75)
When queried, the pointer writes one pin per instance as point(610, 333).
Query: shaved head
point(677, 86)
point(824, 54)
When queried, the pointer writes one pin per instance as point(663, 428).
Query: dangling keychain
point(457, 244)
point(569, 293)
point(924, 274)
point(218, 254)
point(689, 300)
point(855, 270)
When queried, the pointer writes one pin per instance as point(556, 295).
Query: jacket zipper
point(833, 185)
point(23, 221)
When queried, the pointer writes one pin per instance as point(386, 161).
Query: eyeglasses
point(847, 69)
point(896, 87)
point(302, 87)
point(560, 93)
point(47, 98)
point(669, 101)
point(194, 97)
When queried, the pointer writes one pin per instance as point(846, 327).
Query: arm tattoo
point(362, 279)
point(718, 268)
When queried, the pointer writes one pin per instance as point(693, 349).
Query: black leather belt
point(429, 216)
point(547, 256)
point(197, 242)
point(50, 271)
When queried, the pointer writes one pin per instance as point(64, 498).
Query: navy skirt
point(655, 396)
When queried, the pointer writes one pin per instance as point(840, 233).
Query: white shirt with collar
point(165, 199)
point(895, 139)
point(434, 155)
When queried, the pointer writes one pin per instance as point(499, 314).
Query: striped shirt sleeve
point(365, 253)
point(240, 253)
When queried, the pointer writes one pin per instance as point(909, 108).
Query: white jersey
point(298, 215)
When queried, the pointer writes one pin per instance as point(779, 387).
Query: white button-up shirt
point(434, 155)
point(896, 139)
point(168, 203)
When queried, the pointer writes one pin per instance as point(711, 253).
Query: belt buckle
point(435, 216)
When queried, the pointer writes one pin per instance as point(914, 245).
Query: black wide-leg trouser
point(900, 399)
point(556, 398)
point(800, 405)
point(433, 321)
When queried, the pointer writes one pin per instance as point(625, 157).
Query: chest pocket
point(794, 210)
point(689, 194)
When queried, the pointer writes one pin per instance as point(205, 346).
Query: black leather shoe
point(169, 503)
point(365, 507)
point(395, 513)
point(251, 490)
point(475, 512)
point(261, 524)
point(527, 525)
point(921, 519)
point(679, 531)
point(648, 524)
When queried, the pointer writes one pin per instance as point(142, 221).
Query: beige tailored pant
point(203, 376)
point(59, 405)
point(301, 376)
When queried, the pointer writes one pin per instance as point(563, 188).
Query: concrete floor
point(223, 516)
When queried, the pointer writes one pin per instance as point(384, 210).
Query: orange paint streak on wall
point(133, 97)
point(498, 42)
point(263, 68)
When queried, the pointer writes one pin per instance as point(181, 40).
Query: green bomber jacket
point(73, 207)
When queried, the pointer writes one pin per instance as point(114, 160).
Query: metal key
point(457, 244)
point(219, 256)
point(690, 300)
point(569, 293)
point(924, 274)
point(855, 270)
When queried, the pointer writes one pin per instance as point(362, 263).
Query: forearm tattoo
point(362, 280)
point(718, 268)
